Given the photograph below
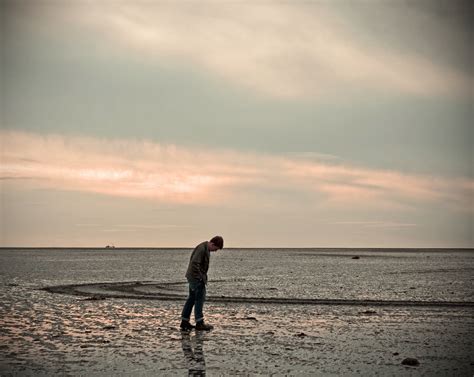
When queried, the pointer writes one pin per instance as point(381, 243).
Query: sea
point(298, 311)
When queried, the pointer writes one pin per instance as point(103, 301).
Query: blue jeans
point(196, 298)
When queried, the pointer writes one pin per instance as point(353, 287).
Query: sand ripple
point(176, 291)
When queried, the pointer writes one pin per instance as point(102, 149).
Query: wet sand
point(55, 334)
point(175, 291)
point(287, 312)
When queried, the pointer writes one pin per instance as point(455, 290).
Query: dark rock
point(412, 287)
point(251, 318)
point(109, 327)
point(356, 257)
point(13, 285)
point(368, 312)
point(396, 354)
point(301, 335)
point(411, 362)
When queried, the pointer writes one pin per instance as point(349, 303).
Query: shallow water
point(52, 334)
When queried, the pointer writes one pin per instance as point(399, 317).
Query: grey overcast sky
point(162, 123)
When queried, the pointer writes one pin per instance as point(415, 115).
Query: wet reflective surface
point(54, 334)
point(194, 353)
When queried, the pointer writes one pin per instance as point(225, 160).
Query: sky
point(272, 123)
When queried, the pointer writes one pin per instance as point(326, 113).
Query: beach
point(323, 147)
point(276, 312)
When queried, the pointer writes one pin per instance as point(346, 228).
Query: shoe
point(201, 326)
point(186, 326)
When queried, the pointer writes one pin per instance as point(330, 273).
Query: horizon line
point(235, 247)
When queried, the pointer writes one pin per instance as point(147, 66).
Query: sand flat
point(47, 334)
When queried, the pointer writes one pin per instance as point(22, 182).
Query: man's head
point(216, 243)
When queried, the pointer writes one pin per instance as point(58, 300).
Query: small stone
point(368, 312)
point(301, 335)
point(94, 298)
point(109, 327)
point(411, 362)
point(251, 318)
point(356, 257)
point(396, 354)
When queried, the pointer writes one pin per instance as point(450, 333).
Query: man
point(197, 279)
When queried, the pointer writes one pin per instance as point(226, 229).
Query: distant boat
point(110, 247)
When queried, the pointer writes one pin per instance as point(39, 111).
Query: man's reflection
point(194, 358)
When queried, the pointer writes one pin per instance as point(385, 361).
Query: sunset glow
point(327, 123)
point(179, 174)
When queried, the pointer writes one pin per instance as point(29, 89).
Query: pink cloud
point(351, 184)
point(175, 174)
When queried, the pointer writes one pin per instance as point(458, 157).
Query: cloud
point(176, 174)
point(283, 50)
point(375, 224)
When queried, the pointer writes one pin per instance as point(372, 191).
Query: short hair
point(218, 241)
